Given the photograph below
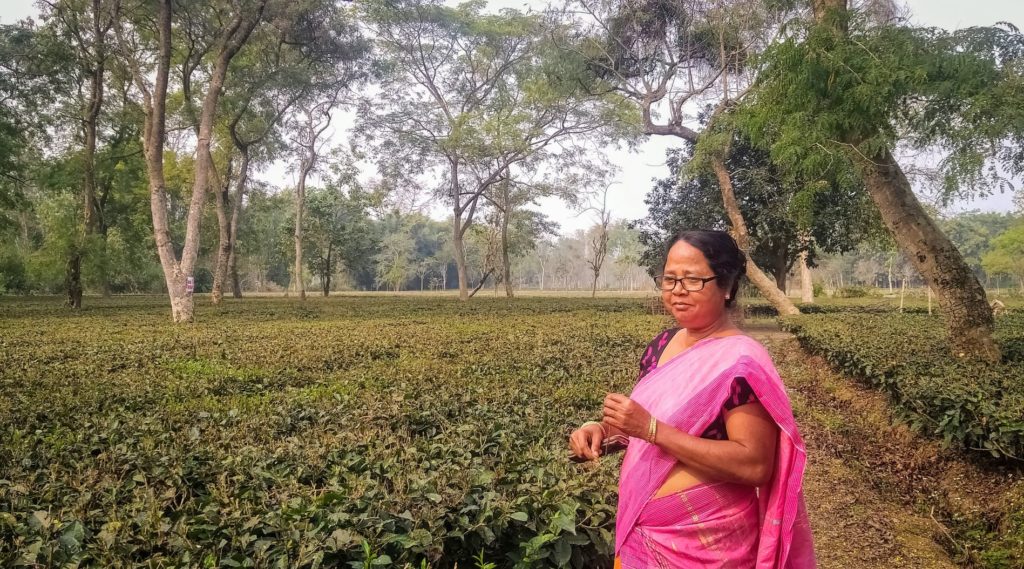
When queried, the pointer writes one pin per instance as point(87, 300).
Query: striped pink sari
point(721, 525)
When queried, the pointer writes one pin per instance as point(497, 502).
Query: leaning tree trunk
point(763, 282)
point(201, 181)
point(480, 285)
point(757, 277)
point(968, 316)
point(235, 34)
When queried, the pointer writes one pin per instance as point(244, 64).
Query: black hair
point(724, 256)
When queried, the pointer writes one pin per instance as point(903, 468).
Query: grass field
point(358, 430)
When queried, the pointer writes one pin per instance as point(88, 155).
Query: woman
point(714, 464)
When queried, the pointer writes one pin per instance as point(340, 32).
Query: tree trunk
point(506, 265)
point(764, 284)
point(327, 273)
point(236, 283)
point(780, 271)
point(73, 279)
point(888, 271)
point(177, 272)
point(154, 134)
point(300, 204)
point(236, 215)
point(104, 275)
point(483, 280)
point(460, 256)
point(89, 127)
point(965, 307)
point(806, 284)
point(203, 167)
point(222, 201)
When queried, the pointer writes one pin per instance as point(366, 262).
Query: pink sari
point(714, 524)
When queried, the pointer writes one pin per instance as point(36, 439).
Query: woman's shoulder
point(746, 348)
point(747, 342)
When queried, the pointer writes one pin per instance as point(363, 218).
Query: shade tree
point(844, 88)
point(470, 95)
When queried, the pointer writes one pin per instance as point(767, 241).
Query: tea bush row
point(969, 404)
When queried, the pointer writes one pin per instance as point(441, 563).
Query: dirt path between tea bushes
point(859, 522)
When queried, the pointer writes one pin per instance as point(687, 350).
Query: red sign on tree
point(190, 284)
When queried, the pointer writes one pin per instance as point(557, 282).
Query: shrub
point(818, 289)
point(852, 291)
point(335, 432)
point(968, 404)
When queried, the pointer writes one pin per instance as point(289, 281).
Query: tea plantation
point(377, 431)
point(370, 431)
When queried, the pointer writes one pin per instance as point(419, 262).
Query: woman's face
point(693, 310)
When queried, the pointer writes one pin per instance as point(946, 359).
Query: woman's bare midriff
point(680, 478)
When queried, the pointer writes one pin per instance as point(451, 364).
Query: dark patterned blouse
point(740, 394)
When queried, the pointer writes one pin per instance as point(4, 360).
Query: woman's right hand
point(585, 442)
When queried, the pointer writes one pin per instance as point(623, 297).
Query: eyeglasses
point(690, 284)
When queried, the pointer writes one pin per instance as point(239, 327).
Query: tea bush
point(969, 404)
point(351, 431)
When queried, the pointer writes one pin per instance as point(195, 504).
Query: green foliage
point(395, 261)
point(972, 233)
point(852, 291)
point(265, 238)
point(1007, 254)
point(777, 208)
point(36, 70)
point(339, 233)
point(430, 431)
point(972, 405)
point(823, 98)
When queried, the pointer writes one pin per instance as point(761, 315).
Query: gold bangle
point(604, 431)
point(652, 430)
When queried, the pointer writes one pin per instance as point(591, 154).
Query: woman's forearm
point(726, 460)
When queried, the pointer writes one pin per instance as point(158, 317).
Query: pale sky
point(638, 169)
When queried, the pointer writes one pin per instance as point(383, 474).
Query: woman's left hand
point(626, 415)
